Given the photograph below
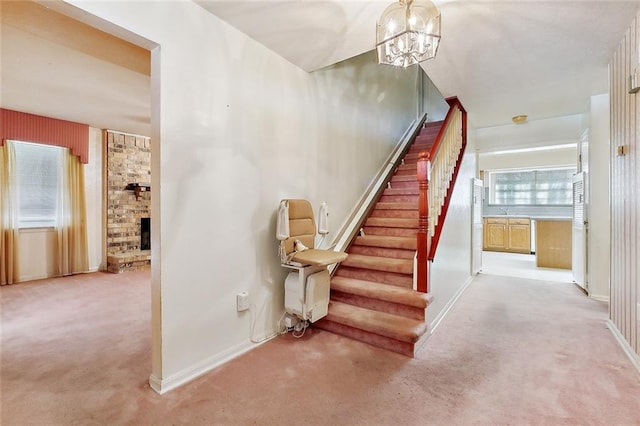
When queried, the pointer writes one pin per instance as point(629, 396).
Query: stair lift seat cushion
point(319, 257)
point(302, 227)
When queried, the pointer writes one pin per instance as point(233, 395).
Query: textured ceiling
point(501, 58)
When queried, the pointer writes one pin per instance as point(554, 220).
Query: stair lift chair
point(307, 285)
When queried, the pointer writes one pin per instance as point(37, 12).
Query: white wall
point(433, 103)
point(236, 129)
point(508, 159)
point(598, 186)
point(93, 184)
point(37, 254)
point(451, 268)
point(38, 245)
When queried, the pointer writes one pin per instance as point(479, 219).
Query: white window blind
point(38, 168)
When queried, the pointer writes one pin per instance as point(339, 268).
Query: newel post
point(424, 175)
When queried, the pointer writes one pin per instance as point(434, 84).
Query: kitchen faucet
point(505, 211)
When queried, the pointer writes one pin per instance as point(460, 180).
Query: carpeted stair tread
point(406, 243)
point(389, 222)
point(399, 266)
point(399, 198)
point(400, 178)
point(380, 291)
point(401, 191)
point(388, 325)
point(397, 206)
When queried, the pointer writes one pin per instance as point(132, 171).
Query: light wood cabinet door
point(503, 234)
point(495, 235)
point(553, 244)
point(519, 238)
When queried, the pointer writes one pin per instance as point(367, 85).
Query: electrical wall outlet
point(242, 300)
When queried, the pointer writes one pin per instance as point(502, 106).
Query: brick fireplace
point(128, 201)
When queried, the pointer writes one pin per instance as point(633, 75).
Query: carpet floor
point(512, 351)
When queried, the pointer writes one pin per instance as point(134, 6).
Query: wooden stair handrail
point(427, 240)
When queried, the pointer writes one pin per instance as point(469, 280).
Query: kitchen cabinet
point(507, 234)
point(495, 234)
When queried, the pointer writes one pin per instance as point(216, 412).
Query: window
point(527, 187)
point(38, 168)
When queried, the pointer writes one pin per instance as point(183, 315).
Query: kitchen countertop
point(521, 216)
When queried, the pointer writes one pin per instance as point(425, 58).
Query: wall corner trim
point(633, 357)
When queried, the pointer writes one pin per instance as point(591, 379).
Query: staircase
point(372, 296)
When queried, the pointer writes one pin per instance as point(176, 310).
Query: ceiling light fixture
point(519, 119)
point(408, 32)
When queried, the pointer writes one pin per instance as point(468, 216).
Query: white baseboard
point(436, 322)
point(163, 386)
point(628, 350)
point(599, 298)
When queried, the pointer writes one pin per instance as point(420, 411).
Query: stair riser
point(378, 305)
point(382, 252)
point(409, 244)
point(403, 348)
point(411, 157)
point(404, 184)
point(404, 178)
point(390, 222)
point(404, 268)
point(399, 280)
point(425, 141)
point(390, 232)
point(401, 214)
point(407, 167)
point(406, 172)
point(416, 149)
point(428, 134)
point(401, 191)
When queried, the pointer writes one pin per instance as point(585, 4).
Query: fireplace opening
point(145, 233)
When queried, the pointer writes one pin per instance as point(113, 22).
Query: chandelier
point(408, 32)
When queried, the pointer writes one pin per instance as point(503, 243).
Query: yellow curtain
point(73, 254)
point(9, 230)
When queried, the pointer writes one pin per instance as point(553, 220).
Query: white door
point(476, 224)
point(579, 231)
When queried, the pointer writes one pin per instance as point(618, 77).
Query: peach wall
point(25, 127)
